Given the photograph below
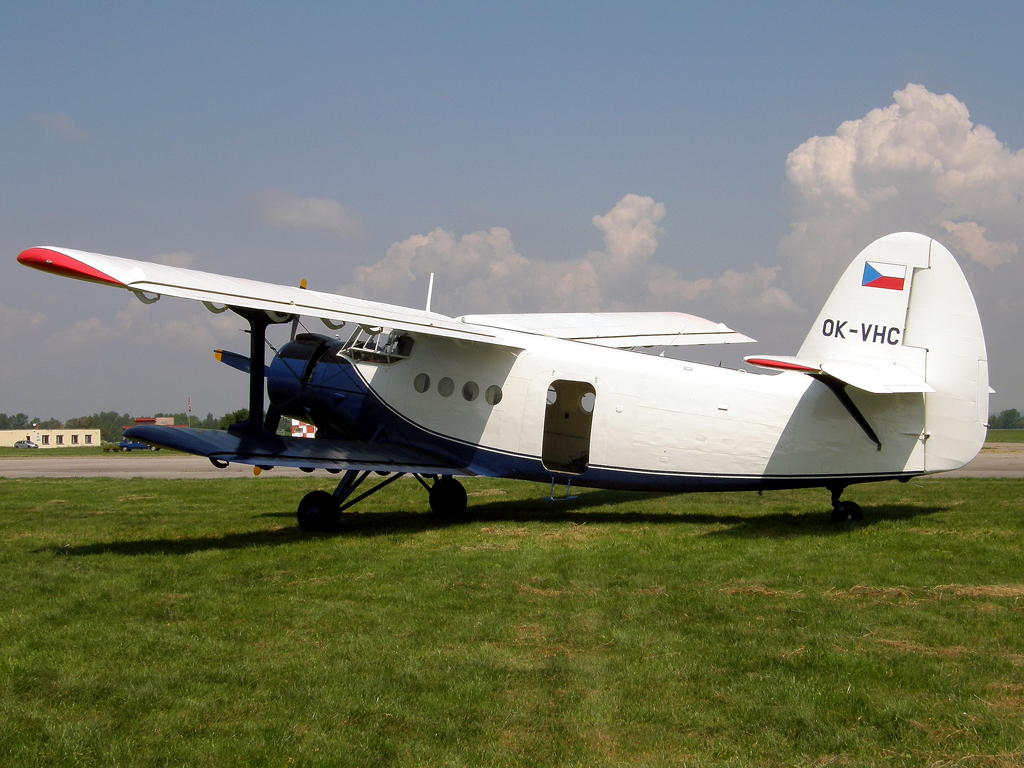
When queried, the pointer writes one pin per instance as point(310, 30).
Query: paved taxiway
point(995, 460)
point(160, 466)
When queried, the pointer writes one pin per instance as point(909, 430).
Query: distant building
point(51, 438)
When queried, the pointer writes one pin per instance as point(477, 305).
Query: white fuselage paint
point(654, 414)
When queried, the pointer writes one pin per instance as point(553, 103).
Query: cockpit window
point(303, 346)
point(384, 347)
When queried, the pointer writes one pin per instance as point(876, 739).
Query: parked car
point(25, 444)
point(134, 445)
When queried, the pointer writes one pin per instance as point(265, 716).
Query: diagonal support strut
point(839, 390)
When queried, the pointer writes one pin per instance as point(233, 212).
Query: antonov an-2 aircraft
point(890, 383)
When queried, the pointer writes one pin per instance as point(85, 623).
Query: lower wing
point(268, 450)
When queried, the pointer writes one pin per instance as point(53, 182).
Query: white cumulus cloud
point(483, 272)
point(312, 213)
point(60, 124)
point(970, 238)
point(182, 259)
point(918, 164)
point(16, 321)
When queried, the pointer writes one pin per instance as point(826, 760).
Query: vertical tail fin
point(904, 300)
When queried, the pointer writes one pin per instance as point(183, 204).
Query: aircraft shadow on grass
point(584, 510)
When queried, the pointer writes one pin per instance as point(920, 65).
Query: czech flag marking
point(878, 275)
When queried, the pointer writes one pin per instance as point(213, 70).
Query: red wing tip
point(59, 263)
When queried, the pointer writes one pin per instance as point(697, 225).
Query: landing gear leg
point(844, 511)
point(321, 511)
point(447, 497)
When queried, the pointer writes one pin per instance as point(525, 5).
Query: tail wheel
point(318, 511)
point(847, 511)
point(448, 497)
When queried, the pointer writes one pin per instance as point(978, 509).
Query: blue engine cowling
point(309, 380)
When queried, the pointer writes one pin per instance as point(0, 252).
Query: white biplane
point(890, 383)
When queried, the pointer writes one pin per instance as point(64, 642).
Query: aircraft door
point(568, 419)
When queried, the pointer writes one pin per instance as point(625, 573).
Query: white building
point(51, 438)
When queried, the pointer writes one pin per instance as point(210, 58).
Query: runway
point(156, 466)
point(995, 460)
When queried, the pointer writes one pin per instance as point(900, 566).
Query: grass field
point(31, 453)
point(191, 623)
point(89, 450)
point(1005, 436)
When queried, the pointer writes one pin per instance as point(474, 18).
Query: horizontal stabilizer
point(878, 376)
point(235, 360)
point(620, 330)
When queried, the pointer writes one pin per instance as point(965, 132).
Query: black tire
point(448, 497)
point(847, 511)
point(318, 511)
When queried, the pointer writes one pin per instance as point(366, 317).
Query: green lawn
point(88, 450)
point(32, 453)
point(191, 623)
point(1005, 436)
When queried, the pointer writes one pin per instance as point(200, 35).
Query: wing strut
point(839, 390)
point(258, 322)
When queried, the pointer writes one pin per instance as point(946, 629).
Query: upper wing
point(149, 281)
point(617, 329)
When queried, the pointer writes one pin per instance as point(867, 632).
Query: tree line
point(1008, 419)
point(111, 423)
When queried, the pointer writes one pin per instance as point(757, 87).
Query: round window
point(552, 395)
point(421, 383)
point(493, 395)
point(445, 387)
point(470, 391)
point(587, 402)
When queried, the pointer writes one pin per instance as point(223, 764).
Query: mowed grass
point(191, 623)
point(35, 453)
point(84, 451)
point(1005, 436)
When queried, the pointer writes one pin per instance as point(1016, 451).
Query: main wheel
point(448, 497)
point(318, 511)
point(847, 511)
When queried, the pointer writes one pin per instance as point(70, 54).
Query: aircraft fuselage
point(562, 410)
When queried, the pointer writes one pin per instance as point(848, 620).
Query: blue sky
point(199, 134)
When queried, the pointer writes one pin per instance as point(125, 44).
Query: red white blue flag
point(879, 275)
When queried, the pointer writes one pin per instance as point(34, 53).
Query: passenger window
point(493, 395)
point(470, 390)
point(587, 402)
point(421, 383)
point(445, 387)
